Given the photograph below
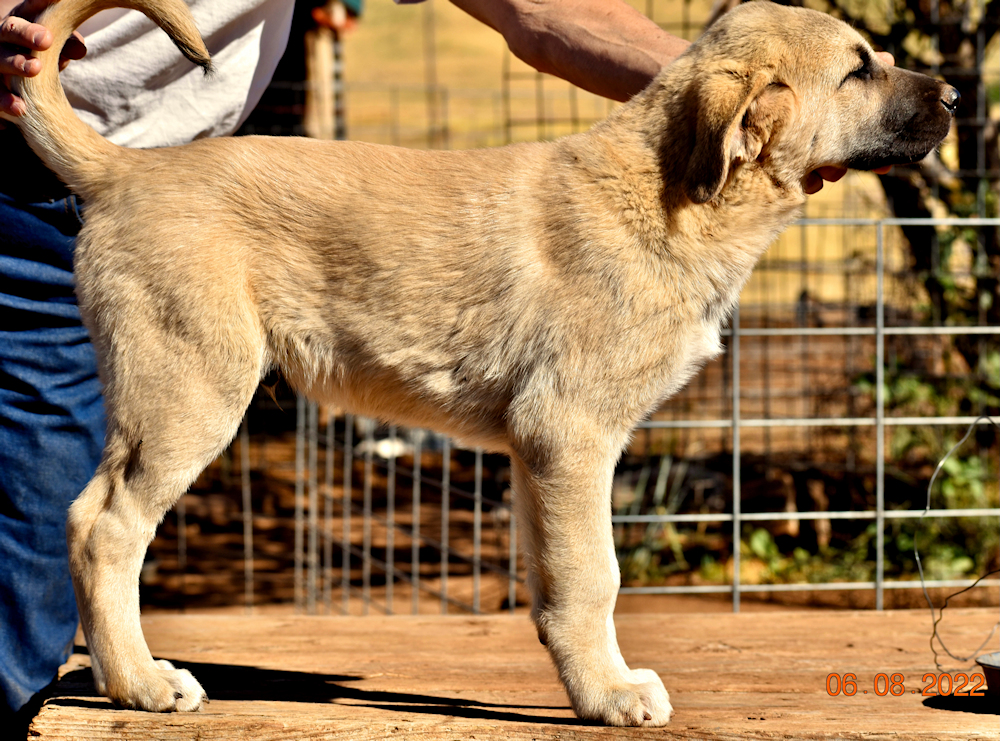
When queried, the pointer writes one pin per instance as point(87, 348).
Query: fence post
point(247, 516)
point(879, 414)
point(734, 348)
point(300, 435)
point(445, 520)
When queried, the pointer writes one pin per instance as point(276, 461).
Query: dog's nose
point(950, 99)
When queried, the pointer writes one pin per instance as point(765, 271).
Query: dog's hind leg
point(562, 496)
point(173, 404)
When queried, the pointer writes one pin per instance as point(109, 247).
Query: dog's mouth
point(903, 135)
point(813, 181)
point(881, 164)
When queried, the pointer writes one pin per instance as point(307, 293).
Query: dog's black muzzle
point(916, 118)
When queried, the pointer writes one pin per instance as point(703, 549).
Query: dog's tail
point(80, 156)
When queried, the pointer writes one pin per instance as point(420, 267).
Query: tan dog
point(537, 299)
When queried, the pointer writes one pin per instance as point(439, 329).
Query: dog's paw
point(188, 694)
point(164, 689)
point(654, 697)
point(642, 700)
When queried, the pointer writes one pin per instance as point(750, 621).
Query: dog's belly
point(433, 398)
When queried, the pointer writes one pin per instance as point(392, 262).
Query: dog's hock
point(721, 137)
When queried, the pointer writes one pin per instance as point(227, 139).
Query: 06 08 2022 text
point(883, 684)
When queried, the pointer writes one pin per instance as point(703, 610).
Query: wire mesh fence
point(795, 464)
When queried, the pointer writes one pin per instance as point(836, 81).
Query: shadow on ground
point(979, 705)
point(248, 683)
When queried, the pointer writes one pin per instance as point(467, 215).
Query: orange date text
point(894, 685)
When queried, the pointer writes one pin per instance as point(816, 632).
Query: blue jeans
point(51, 437)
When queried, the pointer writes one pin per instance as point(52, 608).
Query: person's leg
point(51, 437)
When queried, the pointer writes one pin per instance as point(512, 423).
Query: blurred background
point(792, 471)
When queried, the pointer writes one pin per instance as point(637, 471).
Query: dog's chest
point(703, 342)
point(706, 294)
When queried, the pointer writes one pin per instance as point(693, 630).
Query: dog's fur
point(537, 299)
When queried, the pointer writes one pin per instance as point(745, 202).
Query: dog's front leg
point(564, 513)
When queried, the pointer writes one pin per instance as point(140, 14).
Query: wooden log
point(746, 676)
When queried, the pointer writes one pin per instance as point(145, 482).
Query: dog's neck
point(644, 147)
point(632, 167)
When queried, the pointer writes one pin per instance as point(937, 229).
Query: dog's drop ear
point(765, 117)
point(721, 100)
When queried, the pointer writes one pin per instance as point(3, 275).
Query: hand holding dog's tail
point(75, 152)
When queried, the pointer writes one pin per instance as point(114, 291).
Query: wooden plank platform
point(747, 676)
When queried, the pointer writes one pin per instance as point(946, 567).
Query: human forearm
point(604, 46)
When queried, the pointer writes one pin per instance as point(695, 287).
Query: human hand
point(19, 37)
point(815, 179)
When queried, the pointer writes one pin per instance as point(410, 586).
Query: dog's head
point(795, 90)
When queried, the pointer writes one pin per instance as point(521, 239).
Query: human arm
point(603, 46)
point(18, 37)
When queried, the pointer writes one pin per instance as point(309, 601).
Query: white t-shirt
point(135, 88)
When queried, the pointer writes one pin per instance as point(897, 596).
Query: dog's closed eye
point(864, 71)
